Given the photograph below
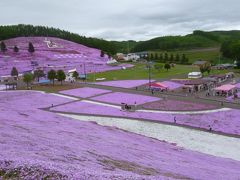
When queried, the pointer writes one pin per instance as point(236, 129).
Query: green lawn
point(139, 71)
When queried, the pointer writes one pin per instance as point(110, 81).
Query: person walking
point(135, 105)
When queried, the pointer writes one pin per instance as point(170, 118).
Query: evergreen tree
point(27, 78)
point(177, 58)
point(165, 57)
point(75, 74)
point(161, 57)
point(171, 58)
point(102, 54)
point(151, 56)
point(52, 75)
point(167, 66)
point(202, 69)
point(14, 72)
point(16, 49)
point(183, 59)
point(61, 76)
point(186, 61)
point(3, 47)
point(38, 74)
point(31, 48)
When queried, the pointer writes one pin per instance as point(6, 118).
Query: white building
point(128, 57)
point(131, 57)
point(194, 75)
point(69, 75)
point(111, 61)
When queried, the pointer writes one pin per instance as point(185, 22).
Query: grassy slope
point(141, 72)
point(208, 54)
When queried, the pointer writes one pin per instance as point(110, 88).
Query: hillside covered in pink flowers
point(52, 53)
point(36, 144)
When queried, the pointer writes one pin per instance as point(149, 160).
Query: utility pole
point(219, 58)
point(94, 73)
point(149, 75)
point(84, 69)
point(149, 71)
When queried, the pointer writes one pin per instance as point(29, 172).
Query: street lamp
point(149, 70)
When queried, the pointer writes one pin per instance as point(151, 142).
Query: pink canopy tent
point(225, 90)
point(162, 85)
point(157, 86)
point(172, 85)
point(225, 87)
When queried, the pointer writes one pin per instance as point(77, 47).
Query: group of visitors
point(126, 107)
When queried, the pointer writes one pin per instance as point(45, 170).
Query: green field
point(139, 71)
point(212, 55)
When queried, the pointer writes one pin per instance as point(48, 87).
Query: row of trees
point(36, 75)
point(51, 75)
point(4, 48)
point(169, 58)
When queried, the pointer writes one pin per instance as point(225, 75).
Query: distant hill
point(124, 46)
point(198, 39)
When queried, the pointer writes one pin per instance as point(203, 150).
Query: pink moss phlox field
point(66, 56)
point(231, 98)
point(36, 144)
point(175, 105)
point(226, 121)
point(124, 83)
point(120, 97)
point(85, 92)
point(32, 99)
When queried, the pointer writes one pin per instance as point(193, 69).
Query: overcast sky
point(124, 19)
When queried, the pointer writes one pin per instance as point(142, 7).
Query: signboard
point(83, 76)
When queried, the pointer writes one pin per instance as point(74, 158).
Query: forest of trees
point(176, 42)
point(198, 39)
point(231, 49)
point(169, 57)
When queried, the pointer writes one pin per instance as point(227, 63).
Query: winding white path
point(208, 143)
point(64, 96)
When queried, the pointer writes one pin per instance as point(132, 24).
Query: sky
point(124, 19)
